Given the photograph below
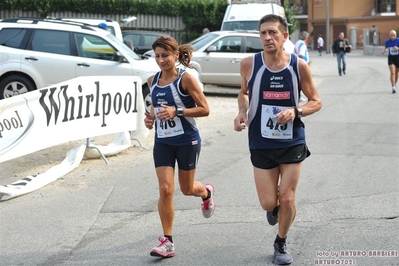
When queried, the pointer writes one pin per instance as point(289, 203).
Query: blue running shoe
point(281, 254)
point(271, 216)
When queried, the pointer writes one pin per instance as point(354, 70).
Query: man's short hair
point(275, 18)
point(303, 35)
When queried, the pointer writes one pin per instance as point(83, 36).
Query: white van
point(245, 14)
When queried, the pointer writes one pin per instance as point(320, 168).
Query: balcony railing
point(300, 9)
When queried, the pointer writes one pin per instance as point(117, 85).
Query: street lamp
point(327, 28)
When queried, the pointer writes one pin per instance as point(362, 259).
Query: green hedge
point(196, 14)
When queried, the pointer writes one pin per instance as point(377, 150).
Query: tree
point(290, 15)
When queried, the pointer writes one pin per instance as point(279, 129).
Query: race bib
point(270, 128)
point(170, 128)
point(392, 51)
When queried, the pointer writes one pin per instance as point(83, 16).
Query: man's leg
point(266, 182)
point(290, 174)
point(343, 63)
point(393, 76)
point(339, 58)
point(289, 180)
point(392, 70)
point(397, 75)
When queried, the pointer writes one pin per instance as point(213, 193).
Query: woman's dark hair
point(170, 44)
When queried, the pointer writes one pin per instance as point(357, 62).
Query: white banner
point(75, 109)
point(73, 158)
point(33, 182)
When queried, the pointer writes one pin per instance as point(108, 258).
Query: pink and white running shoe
point(165, 249)
point(208, 206)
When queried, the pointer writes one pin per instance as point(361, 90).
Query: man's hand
point(240, 122)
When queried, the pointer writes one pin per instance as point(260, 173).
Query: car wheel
point(147, 99)
point(15, 85)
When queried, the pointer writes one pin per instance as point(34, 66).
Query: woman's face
point(164, 58)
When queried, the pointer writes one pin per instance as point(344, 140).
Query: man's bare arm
point(241, 121)
point(308, 87)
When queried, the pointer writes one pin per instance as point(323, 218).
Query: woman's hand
point(166, 112)
point(149, 120)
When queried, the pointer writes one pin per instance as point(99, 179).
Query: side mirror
point(118, 56)
point(211, 48)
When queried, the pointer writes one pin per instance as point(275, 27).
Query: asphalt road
point(347, 199)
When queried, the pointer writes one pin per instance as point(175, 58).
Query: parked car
point(37, 53)
point(218, 54)
point(142, 40)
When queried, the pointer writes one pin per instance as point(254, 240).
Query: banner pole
point(94, 147)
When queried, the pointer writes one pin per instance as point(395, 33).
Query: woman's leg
point(165, 203)
point(190, 187)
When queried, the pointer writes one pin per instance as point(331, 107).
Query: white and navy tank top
point(269, 93)
point(178, 131)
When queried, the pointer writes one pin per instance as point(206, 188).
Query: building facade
point(364, 22)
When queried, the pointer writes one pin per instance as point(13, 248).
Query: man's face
point(271, 37)
point(392, 35)
point(341, 36)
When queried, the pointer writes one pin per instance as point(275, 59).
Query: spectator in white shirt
point(320, 44)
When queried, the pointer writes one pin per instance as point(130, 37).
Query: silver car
point(218, 54)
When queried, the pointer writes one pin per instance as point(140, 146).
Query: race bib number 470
point(270, 128)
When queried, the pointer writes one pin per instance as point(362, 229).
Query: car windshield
point(110, 29)
point(124, 47)
point(201, 41)
point(242, 25)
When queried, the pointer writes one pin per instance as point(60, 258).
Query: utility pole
point(327, 27)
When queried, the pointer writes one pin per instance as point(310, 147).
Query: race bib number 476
point(270, 128)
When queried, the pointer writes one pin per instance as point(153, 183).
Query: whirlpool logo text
point(15, 122)
point(57, 103)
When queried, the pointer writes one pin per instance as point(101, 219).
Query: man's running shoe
point(393, 89)
point(281, 254)
point(208, 206)
point(272, 217)
point(165, 249)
